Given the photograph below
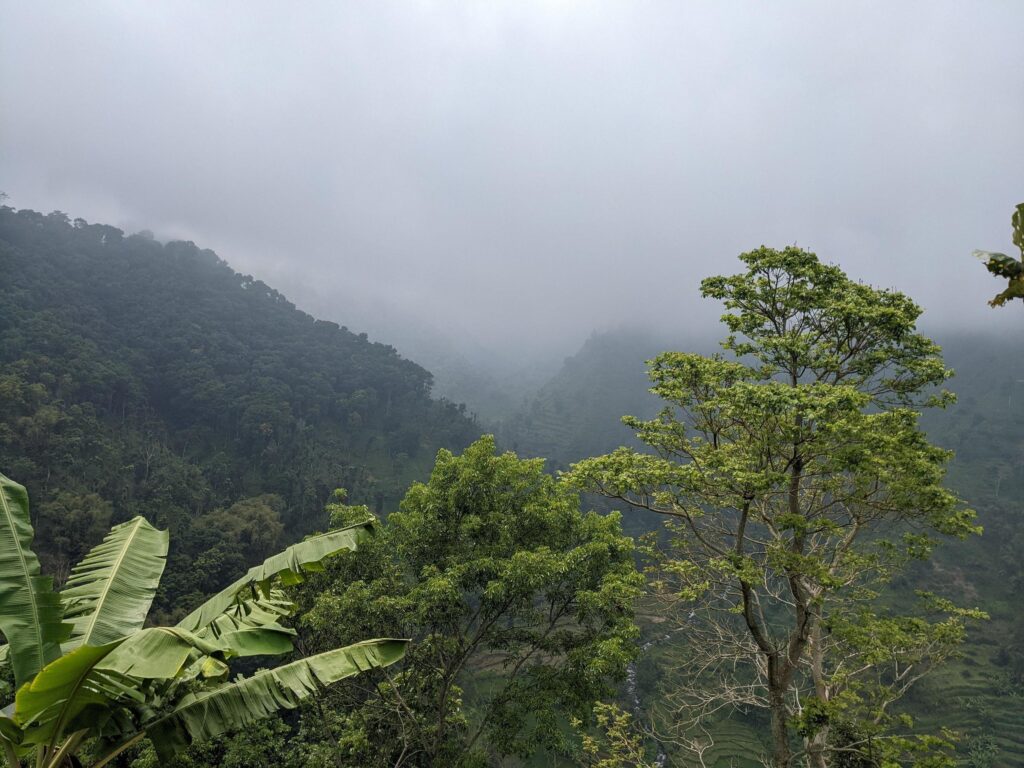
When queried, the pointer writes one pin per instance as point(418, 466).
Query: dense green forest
point(566, 419)
point(147, 378)
point(148, 384)
point(142, 379)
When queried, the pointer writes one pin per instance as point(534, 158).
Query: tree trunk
point(816, 753)
point(781, 752)
point(816, 745)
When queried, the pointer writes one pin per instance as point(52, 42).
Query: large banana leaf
point(251, 625)
point(159, 653)
point(30, 610)
point(60, 692)
point(251, 611)
point(99, 676)
point(287, 567)
point(232, 705)
point(109, 593)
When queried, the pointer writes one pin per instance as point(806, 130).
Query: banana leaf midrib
point(199, 697)
point(97, 608)
point(37, 624)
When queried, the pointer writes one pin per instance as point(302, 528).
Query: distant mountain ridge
point(577, 412)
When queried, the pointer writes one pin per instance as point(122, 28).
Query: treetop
point(805, 320)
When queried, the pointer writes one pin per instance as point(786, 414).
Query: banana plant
point(91, 678)
point(1001, 265)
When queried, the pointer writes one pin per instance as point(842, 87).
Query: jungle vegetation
point(780, 570)
point(140, 378)
point(797, 483)
point(93, 680)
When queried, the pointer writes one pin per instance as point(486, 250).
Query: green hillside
point(146, 378)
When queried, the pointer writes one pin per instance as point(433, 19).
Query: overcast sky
point(507, 172)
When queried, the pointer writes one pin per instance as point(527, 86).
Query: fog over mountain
point(421, 279)
point(512, 175)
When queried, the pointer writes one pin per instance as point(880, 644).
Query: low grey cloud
point(517, 173)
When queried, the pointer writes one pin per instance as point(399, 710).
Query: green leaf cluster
point(1008, 267)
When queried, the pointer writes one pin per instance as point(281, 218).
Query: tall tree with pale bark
point(796, 484)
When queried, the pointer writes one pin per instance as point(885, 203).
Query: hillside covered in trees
point(148, 386)
point(149, 380)
point(146, 378)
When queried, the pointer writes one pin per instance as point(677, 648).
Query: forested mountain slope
point(146, 378)
point(489, 379)
point(576, 413)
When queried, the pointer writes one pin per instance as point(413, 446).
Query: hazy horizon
point(509, 177)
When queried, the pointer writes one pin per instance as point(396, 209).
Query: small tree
point(614, 742)
point(1001, 265)
point(796, 483)
point(89, 675)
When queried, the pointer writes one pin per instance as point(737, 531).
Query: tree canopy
point(140, 378)
point(520, 607)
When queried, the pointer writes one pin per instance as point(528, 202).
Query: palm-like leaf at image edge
point(124, 677)
point(31, 616)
